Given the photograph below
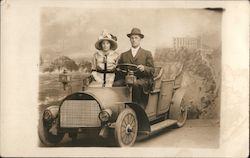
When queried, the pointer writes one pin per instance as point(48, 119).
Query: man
point(144, 61)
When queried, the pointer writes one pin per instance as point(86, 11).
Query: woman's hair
point(105, 40)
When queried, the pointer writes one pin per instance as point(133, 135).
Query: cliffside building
point(187, 42)
point(191, 43)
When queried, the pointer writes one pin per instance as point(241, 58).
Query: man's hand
point(140, 67)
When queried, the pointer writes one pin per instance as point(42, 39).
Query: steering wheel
point(125, 68)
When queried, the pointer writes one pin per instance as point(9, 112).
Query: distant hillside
point(61, 63)
point(65, 63)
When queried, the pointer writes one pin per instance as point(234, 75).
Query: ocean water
point(51, 90)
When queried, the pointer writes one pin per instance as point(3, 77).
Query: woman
point(104, 61)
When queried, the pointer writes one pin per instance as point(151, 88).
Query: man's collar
point(135, 49)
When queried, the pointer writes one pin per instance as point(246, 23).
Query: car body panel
point(109, 96)
point(106, 97)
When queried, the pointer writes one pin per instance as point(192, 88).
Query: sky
point(74, 31)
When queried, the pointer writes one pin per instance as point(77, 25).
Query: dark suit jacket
point(143, 57)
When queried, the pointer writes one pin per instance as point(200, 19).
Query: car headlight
point(105, 115)
point(47, 115)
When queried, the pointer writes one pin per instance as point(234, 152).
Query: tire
point(183, 111)
point(178, 110)
point(126, 128)
point(73, 137)
point(46, 137)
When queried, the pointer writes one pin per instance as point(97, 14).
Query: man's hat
point(109, 37)
point(136, 31)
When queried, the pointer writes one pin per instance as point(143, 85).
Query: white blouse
point(98, 64)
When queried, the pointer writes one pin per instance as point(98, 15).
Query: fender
point(174, 111)
point(143, 121)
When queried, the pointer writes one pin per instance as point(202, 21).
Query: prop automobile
point(111, 112)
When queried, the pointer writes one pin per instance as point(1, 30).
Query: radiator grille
point(79, 113)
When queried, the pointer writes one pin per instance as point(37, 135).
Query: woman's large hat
point(108, 37)
point(135, 31)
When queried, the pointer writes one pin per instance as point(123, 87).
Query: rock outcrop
point(61, 63)
point(201, 73)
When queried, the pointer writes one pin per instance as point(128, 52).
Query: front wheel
point(126, 128)
point(46, 135)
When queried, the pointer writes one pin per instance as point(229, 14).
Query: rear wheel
point(183, 111)
point(126, 128)
point(178, 110)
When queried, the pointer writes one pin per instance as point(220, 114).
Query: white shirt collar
point(134, 50)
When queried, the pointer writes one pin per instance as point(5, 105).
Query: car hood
point(107, 97)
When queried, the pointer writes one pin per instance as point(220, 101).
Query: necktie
point(105, 69)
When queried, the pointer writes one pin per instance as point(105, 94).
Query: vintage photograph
point(130, 77)
point(124, 78)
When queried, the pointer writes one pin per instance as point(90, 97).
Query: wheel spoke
point(126, 120)
point(129, 140)
point(124, 125)
point(132, 123)
point(123, 135)
point(131, 119)
point(123, 130)
point(183, 114)
point(132, 134)
point(126, 139)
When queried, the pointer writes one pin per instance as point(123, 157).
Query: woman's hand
point(96, 77)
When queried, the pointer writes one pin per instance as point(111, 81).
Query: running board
point(158, 126)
